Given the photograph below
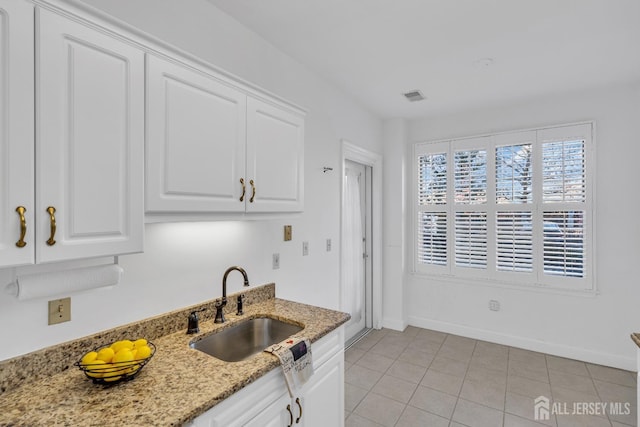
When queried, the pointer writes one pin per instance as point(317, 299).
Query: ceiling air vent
point(414, 95)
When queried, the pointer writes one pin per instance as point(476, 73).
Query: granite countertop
point(635, 337)
point(177, 384)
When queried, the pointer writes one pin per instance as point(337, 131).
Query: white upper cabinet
point(89, 142)
point(16, 133)
point(275, 158)
point(213, 148)
point(196, 141)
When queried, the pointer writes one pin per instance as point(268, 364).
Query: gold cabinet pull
point(51, 210)
point(290, 416)
point(244, 189)
point(253, 191)
point(300, 407)
point(23, 227)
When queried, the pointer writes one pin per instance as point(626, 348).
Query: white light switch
point(305, 248)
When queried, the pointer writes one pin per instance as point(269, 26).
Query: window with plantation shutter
point(471, 239)
point(510, 208)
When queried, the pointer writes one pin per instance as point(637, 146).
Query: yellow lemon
point(95, 368)
point(139, 343)
point(134, 352)
point(119, 345)
point(89, 357)
point(105, 354)
point(143, 352)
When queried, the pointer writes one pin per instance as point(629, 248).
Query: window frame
point(537, 279)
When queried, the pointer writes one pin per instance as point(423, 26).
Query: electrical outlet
point(328, 245)
point(305, 248)
point(276, 261)
point(494, 305)
point(59, 310)
point(287, 233)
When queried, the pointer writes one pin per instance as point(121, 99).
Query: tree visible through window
point(513, 207)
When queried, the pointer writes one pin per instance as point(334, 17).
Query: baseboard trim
point(599, 358)
point(395, 324)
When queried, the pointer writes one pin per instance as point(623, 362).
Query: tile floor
point(425, 378)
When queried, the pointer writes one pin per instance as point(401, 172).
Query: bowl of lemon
point(119, 361)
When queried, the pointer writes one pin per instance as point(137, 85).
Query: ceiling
point(462, 54)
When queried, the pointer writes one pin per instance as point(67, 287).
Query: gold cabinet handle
point(300, 407)
point(253, 191)
point(51, 210)
point(290, 416)
point(244, 189)
point(23, 227)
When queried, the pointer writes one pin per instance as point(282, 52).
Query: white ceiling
point(378, 49)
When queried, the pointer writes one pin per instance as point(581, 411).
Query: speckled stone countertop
point(635, 337)
point(177, 384)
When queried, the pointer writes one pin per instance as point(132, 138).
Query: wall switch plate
point(305, 248)
point(328, 245)
point(59, 310)
point(494, 305)
point(276, 261)
point(287, 233)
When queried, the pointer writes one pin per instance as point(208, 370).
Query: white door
point(275, 158)
point(355, 254)
point(90, 142)
point(16, 133)
point(195, 143)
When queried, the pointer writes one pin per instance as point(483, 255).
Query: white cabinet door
point(90, 141)
point(278, 414)
point(16, 131)
point(196, 141)
point(322, 398)
point(275, 158)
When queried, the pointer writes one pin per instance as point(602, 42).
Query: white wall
point(183, 263)
point(595, 328)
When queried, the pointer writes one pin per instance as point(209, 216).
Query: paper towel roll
point(41, 285)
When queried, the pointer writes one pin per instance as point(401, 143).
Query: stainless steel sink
point(245, 339)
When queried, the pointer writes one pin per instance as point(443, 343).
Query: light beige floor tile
point(389, 348)
point(450, 384)
point(513, 421)
point(433, 401)
point(417, 357)
point(475, 415)
point(395, 388)
point(494, 363)
point(454, 353)
point(353, 354)
point(407, 371)
point(380, 409)
point(362, 377)
point(431, 335)
point(555, 363)
point(523, 407)
point(487, 394)
point(535, 371)
point(481, 374)
point(612, 375)
point(448, 366)
point(528, 387)
point(615, 392)
point(527, 356)
point(353, 395)
point(414, 417)
point(571, 381)
point(356, 420)
point(424, 344)
point(366, 343)
point(375, 361)
point(582, 421)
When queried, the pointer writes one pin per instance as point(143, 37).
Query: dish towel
point(295, 357)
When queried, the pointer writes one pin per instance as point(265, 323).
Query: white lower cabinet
point(266, 402)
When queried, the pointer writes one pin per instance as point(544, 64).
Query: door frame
point(366, 157)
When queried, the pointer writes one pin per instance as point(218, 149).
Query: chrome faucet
point(220, 305)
